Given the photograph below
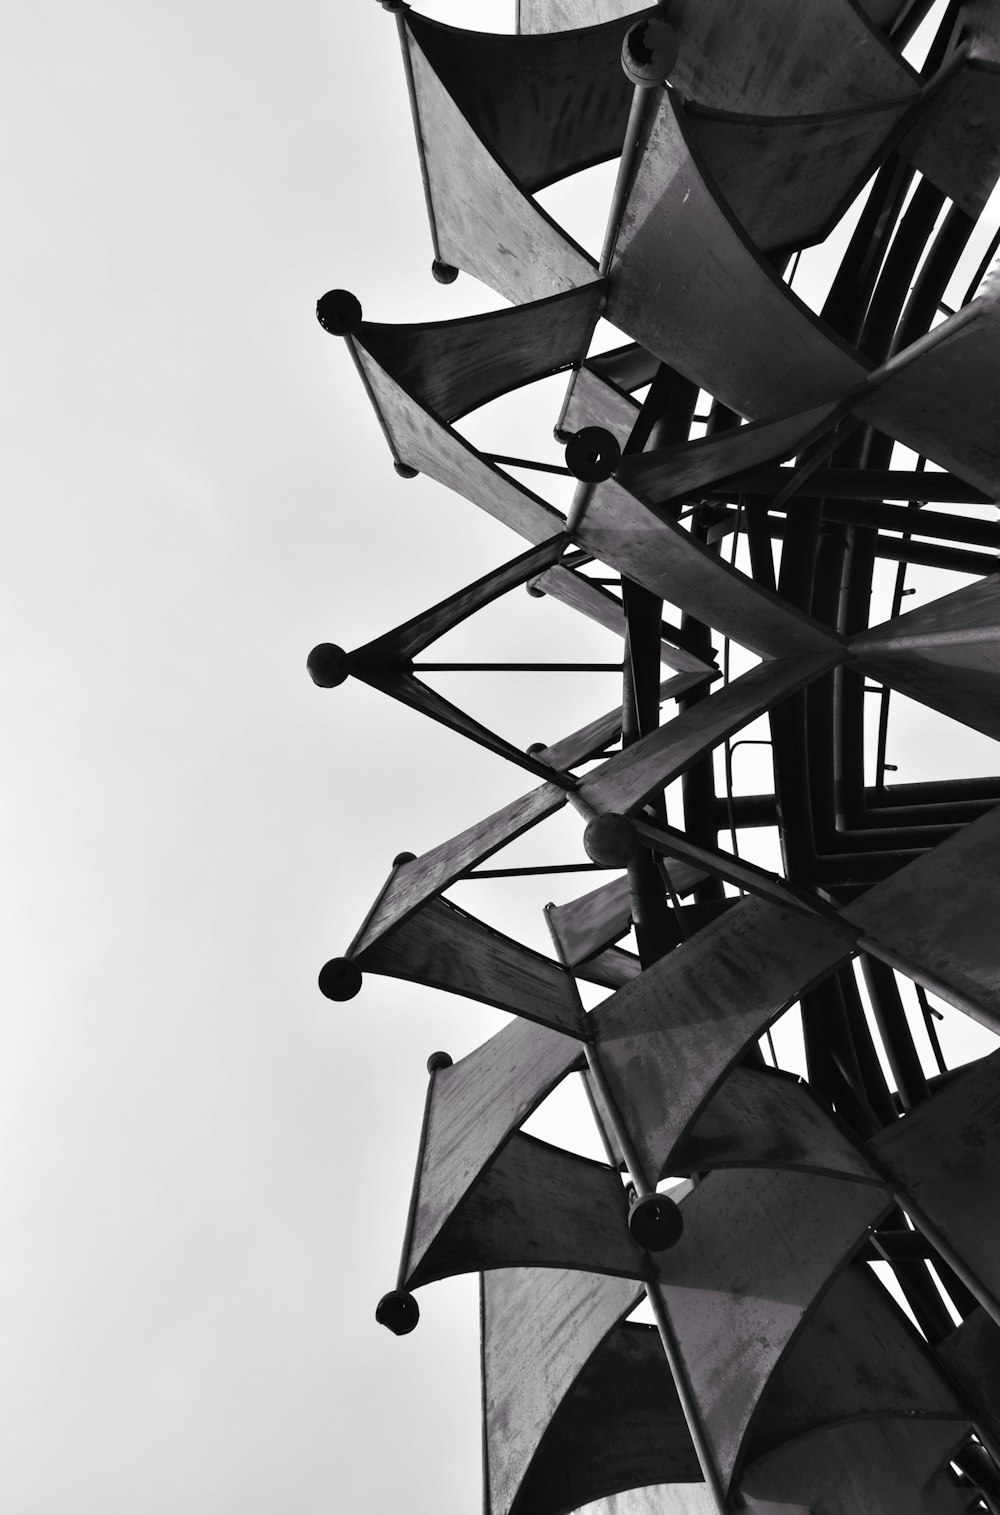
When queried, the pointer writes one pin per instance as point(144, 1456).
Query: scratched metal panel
point(620, 1427)
point(783, 57)
point(535, 1206)
point(942, 397)
point(758, 1119)
point(412, 884)
point(564, 15)
point(424, 443)
point(623, 532)
point(443, 947)
point(591, 401)
point(576, 591)
point(880, 1467)
point(546, 106)
point(667, 1039)
point(611, 969)
point(451, 367)
point(857, 1356)
point(971, 1354)
point(757, 1252)
point(485, 222)
point(524, 1309)
point(595, 920)
point(946, 654)
point(722, 316)
point(938, 917)
point(671, 472)
point(788, 180)
point(624, 781)
point(957, 144)
point(945, 1155)
point(475, 1105)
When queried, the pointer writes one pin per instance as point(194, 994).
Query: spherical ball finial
point(592, 455)
point(398, 1311)
point(649, 51)
point(339, 312)
point(611, 840)
point(537, 748)
point(444, 273)
point(404, 470)
point(340, 978)
point(328, 665)
point(437, 1061)
point(655, 1222)
point(403, 857)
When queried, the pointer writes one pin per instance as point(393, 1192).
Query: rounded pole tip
point(398, 1311)
point(444, 273)
point(611, 840)
point(537, 748)
point(403, 857)
point(328, 665)
point(404, 470)
point(535, 589)
point(655, 1222)
point(649, 51)
point(339, 312)
point(340, 978)
point(437, 1061)
point(592, 455)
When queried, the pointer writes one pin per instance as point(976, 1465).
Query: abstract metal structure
point(752, 463)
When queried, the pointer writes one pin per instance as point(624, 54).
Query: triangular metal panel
point(971, 1354)
point(591, 739)
point(592, 401)
point(956, 145)
point(667, 1039)
point(445, 948)
point(534, 16)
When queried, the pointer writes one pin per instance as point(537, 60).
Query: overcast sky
point(205, 1166)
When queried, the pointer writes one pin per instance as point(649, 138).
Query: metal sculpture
point(780, 1374)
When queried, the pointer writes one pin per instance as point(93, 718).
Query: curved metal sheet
point(666, 1039)
point(946, 654)
point(474, 1106)
point(757, 1252)
point(445, 948)
point(759, 1119)
point(660, 555)
point(591, 739)
point(452, 367)
point(722, 317)
point(535, 1206)
point(579, 593)
point(535, 16)
point(971, 1355)
point(620, 1427)
point(413, 883)
point(956, 144)
point(486, 224)
point(624, 781)
point(423, 442)
point(571, 1313)
point(883, 1467)
point(944, 1155)
point(592, 401)
point(936, 919)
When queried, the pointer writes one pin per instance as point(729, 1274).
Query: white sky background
point(205, 1166)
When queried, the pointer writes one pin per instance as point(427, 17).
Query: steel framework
point(750, 462)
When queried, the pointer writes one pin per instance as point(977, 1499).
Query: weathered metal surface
point(535, 1206)
point(486, 224)
point(667, 1039)
point(670, 473)
point(592, 401)
point(586, 925)
point(857, 1356)
point(591, 739)
point(971, 1354)
point(576, 591)
point(413, 883)
point(946, 654)
point(571, 1313)
point(451, 367)
point(789, 179)
point(937, 918)
point(660, 555)
point(759, 1119)
point(944, 1156)
point(757, 1252)
point(942, 395)
point(562, 15)
point(882, 1467)
point(956, 145)
point(722, 317)
point(611, 969)
point(624, 781)
point(475, 1105)
point(620, 1427)
point(547, 107)
point(440, 945)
